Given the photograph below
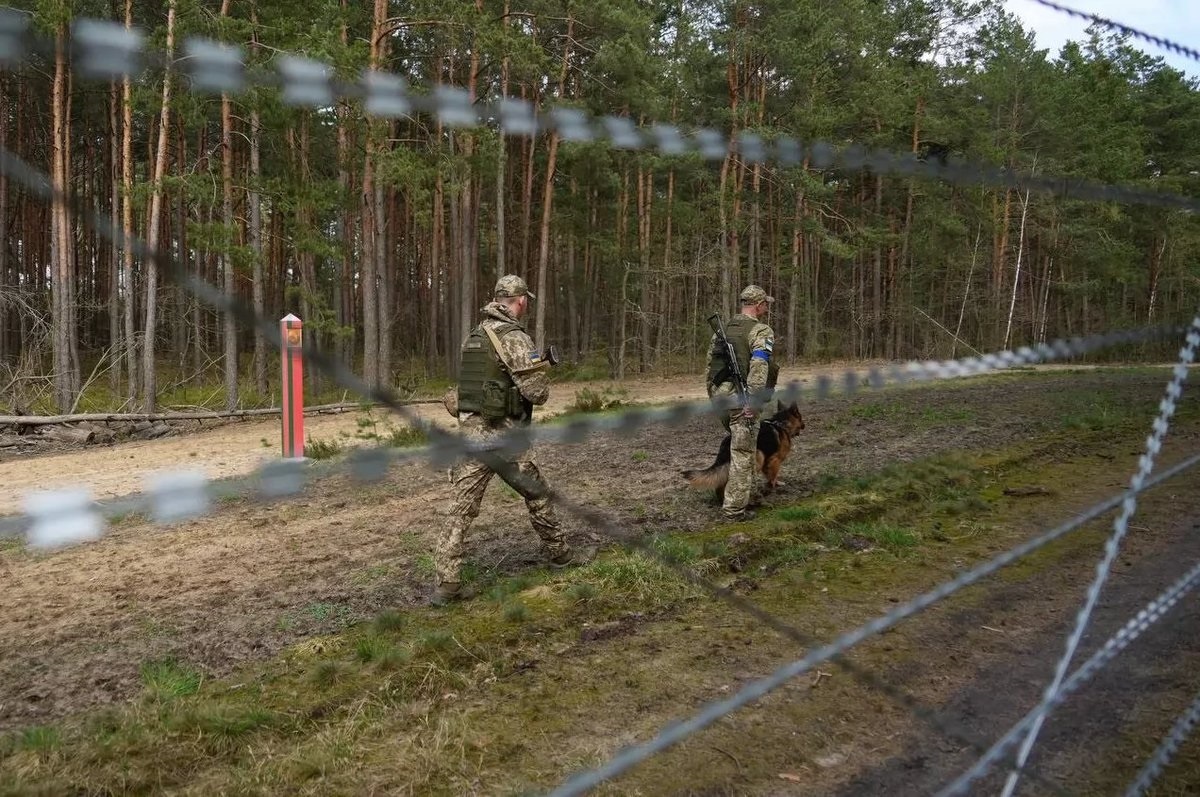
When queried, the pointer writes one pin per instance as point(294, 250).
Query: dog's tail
point(712, 478)
point(715, 476)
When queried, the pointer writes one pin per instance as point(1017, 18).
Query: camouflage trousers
point(743, 452)
point(470, 480)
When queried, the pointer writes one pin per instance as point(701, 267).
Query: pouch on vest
point(485, 388)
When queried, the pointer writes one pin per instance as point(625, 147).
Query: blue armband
point(761, 354)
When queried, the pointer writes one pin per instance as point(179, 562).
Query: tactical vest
point(738, 331)
point(484, 385)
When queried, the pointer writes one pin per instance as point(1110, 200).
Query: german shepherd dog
point(774, 444)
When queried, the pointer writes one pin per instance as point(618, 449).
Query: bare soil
point(251, 579)
point(224, 449)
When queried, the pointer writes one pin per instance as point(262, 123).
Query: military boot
point(573, 556)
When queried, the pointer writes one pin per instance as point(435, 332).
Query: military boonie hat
point(512, 285)
point(754, 294)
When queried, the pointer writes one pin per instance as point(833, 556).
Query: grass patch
point(405, 437)
point(222, 722)
point(581, 592)
point(505, 588)
point(40, 739)
point(322, 449)
point(12, 544)
point(1099, 415)
point(892, 538)
point(327, 673)
point(372, 647)
point(798, 514)
point(516, 612)
point(606, 399)
point(389, 621)
point(437, 640)
point(167, 679)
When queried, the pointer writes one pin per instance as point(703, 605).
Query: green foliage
point(167, 678)
point(516, 612)
point(389, 621)
point(322, 449)
point(884, 266)
point(589, 400)
point(386, 433)
point(373, 647)
point(40, 738)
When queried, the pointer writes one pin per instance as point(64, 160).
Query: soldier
point(501, 378)
point(754, 343)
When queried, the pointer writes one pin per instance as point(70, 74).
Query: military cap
point(754, 294)
point(512, 285)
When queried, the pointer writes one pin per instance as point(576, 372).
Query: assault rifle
point(739, 379)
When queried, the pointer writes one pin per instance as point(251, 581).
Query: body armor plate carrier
point(738, 331)
point(485, 386)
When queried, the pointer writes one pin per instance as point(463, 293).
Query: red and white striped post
point(290, 330)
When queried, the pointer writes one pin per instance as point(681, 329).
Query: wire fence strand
point(104, 50)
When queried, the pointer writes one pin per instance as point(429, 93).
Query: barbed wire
point(1166, 750)
point(67, 515)
point(107, 50)
point(1159, 41)
point(678, 731)
point(1135, 627)
point(1120, 528)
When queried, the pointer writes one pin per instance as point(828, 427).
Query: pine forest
point(385, 235)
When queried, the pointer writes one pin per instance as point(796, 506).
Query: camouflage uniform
point(469, 477)
point(744, 431)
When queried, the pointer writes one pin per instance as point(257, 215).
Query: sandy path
point(237, 448)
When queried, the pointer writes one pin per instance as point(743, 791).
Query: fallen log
point(156, 430)
point(68, 434)
point(107, 417)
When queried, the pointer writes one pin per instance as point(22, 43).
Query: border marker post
point(292, 360)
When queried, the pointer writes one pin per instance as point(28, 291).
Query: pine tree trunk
point(114, 274)
point(129, 294)
point(6, 348)
point(384, 268)
point(149, 377)
point(60, 285)
point(796, 282)
point(345, 299)
point(256, 252)
point(182, 299)
point(230, 287)
point(646, 280)
point(436, 267)
point(371, 222)
point(1017, 272)
point(590, 279)
point(1156, 262)
point(548, 200)
point(501, 153)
